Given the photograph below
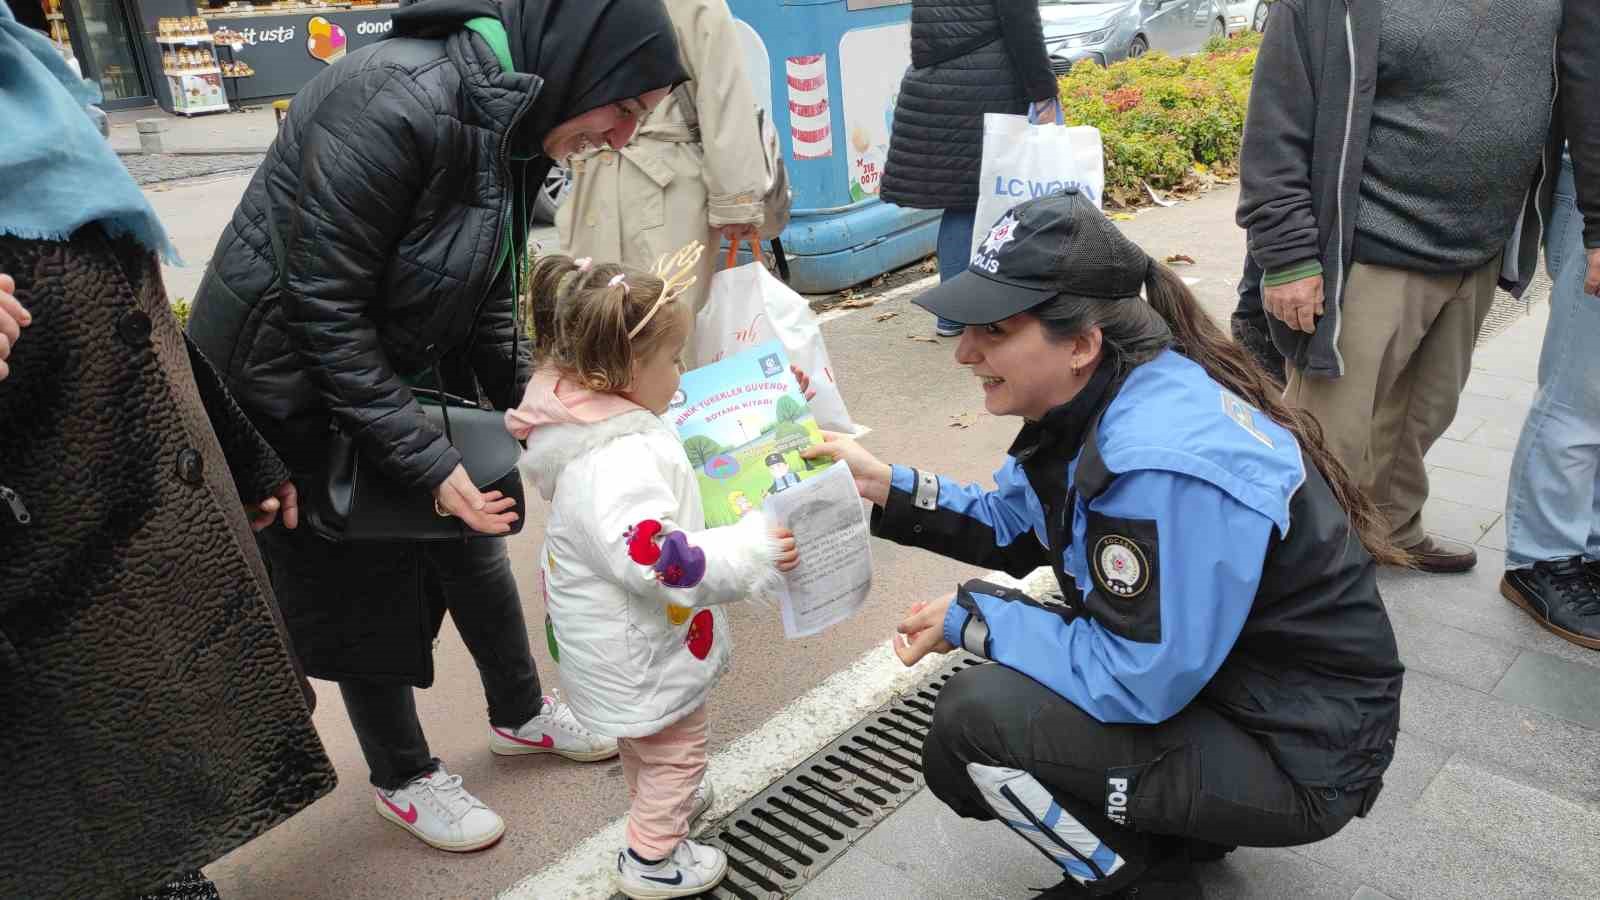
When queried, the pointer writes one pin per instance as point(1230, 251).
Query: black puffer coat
point(390, 188)
point(393, 184)
point(968, 58)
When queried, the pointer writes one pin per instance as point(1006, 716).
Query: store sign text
point(283, 34)
point(375, 27)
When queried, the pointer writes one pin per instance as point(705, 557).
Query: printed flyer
point(743, 423)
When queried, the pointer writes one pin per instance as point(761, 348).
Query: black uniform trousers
point(1196, 775)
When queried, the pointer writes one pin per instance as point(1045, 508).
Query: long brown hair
point(1134, 331)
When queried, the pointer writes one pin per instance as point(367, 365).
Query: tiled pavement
point(1495, 789)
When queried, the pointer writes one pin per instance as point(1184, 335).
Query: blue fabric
point(954, 249)
point(1170, 415)
point(59, 172)
point(1211, 552)
point(1216, 477)
point(1010, 510)
point(903, 479)
point(1553, 501)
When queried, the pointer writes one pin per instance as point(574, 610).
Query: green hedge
point(1164, 120)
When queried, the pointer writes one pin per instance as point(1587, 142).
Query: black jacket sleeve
point(1580, 88)
point(363, 161)
point(1023, 33)
point(501, 354)
point(256, 468)
point(1275, 160)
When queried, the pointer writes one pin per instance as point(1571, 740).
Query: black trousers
point(1134, 787)
point(481, 594)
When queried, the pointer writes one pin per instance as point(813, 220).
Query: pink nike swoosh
point(408, 816)
point(546, 742)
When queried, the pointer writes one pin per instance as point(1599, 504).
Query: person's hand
point(1044, 112)
point(284, 501)
point(871, 474)
point(1591, 282)
point(788, 550)
point(805, 383)
point(733, 234)
point(922, 631)
point(13, 318)
point(490, 513)
point(1296, 304)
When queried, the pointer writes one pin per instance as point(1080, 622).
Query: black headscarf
point(590, 53)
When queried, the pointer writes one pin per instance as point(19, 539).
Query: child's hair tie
point(621, 279)
point(584, 263)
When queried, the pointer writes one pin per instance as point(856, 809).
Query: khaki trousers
point(1407, 341)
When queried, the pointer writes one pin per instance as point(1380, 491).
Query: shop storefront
point(197, 58)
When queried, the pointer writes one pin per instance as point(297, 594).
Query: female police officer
point(1223, 671)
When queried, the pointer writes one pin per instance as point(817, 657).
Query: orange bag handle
point(733, 252)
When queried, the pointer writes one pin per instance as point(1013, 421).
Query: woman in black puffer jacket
point(968, 58)
point(397, 192)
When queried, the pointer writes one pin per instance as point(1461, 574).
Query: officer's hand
point(872, 476)
point(922, 631)
point(1296, 304)
point(1591, 283)
point(13, 318)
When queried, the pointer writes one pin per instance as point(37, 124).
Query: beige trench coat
point(675, 182)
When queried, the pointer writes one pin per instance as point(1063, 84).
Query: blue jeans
point(955, 246)
point(1553, 504)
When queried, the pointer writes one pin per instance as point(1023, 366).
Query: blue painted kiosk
point(829, 71)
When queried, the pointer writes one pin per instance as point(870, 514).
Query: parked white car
point(1247, 15)
point(1107, 31)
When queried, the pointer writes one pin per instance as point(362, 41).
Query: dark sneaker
point(1559, 595)
point(1440, 557)
point(947, 328)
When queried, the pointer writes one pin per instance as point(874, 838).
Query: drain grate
point(784, 836)
point(1506, 310)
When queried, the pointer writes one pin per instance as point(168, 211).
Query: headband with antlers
point(676, 271)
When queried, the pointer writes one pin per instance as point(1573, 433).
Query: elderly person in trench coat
point(695, 171)
point(151, 719)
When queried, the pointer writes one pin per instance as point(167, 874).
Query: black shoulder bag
point(352, 499)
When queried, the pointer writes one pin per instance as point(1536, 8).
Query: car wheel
point(1258, 20)
point(557, 184)
point(1219, 28)
point(1138, 47)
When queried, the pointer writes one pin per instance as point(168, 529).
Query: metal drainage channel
point(786, 835)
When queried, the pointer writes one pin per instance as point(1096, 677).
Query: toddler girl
point(632, 576)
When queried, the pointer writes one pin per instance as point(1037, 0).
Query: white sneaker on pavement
point(440, 812)
point(553, 730)
point(691, 869)
point(703, 798)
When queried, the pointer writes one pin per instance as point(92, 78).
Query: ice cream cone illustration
point(325, 40)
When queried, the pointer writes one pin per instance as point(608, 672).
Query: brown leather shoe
point(1443, 557)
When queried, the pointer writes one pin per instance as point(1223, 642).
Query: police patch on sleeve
point(1124, 565)
point(1120, 567)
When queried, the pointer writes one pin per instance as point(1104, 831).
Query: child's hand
point(788, 551)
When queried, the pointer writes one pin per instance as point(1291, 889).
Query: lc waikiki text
point(1028, 188)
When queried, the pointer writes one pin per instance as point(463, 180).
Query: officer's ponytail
point(1196, 336)
point(1135, 330)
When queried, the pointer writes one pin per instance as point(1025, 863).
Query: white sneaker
point(691, 869)
point(703, 798)
point(440, 812)
point(553, 730)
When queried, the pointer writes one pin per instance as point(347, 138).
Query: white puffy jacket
point(640, 645)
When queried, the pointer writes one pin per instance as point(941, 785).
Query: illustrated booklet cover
point(743, 423)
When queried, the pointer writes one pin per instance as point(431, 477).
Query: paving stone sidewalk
point(1495, 788)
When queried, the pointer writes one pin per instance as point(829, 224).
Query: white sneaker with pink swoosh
point(439, 812)
point(553, 730)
